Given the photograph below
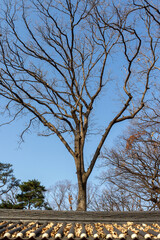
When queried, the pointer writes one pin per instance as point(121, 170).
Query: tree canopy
point(133, 165)
point(7, 178)
point(32, 195)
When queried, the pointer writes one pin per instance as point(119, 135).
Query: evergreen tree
point(9, 205)
point(32, 195)
point(7, 179)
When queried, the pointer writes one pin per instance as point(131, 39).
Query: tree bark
point(82, 180)
point(82, 202)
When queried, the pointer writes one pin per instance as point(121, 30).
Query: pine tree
point(7, 179)
point(32, 195)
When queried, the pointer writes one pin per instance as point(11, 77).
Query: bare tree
point(11, 196)
point(134, 166)
point(62, 195)
point(55, 62)
point(150, 116)
point(152, 8)
point(111, 198)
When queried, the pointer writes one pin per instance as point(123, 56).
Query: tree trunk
point(82, 181)
point(82, 202)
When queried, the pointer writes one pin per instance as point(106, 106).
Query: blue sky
point(45, 158)
point(42, 158)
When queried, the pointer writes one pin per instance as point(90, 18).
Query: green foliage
point(32, 195)
point(7, 179)
point(9, 205)
point(27, 195)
